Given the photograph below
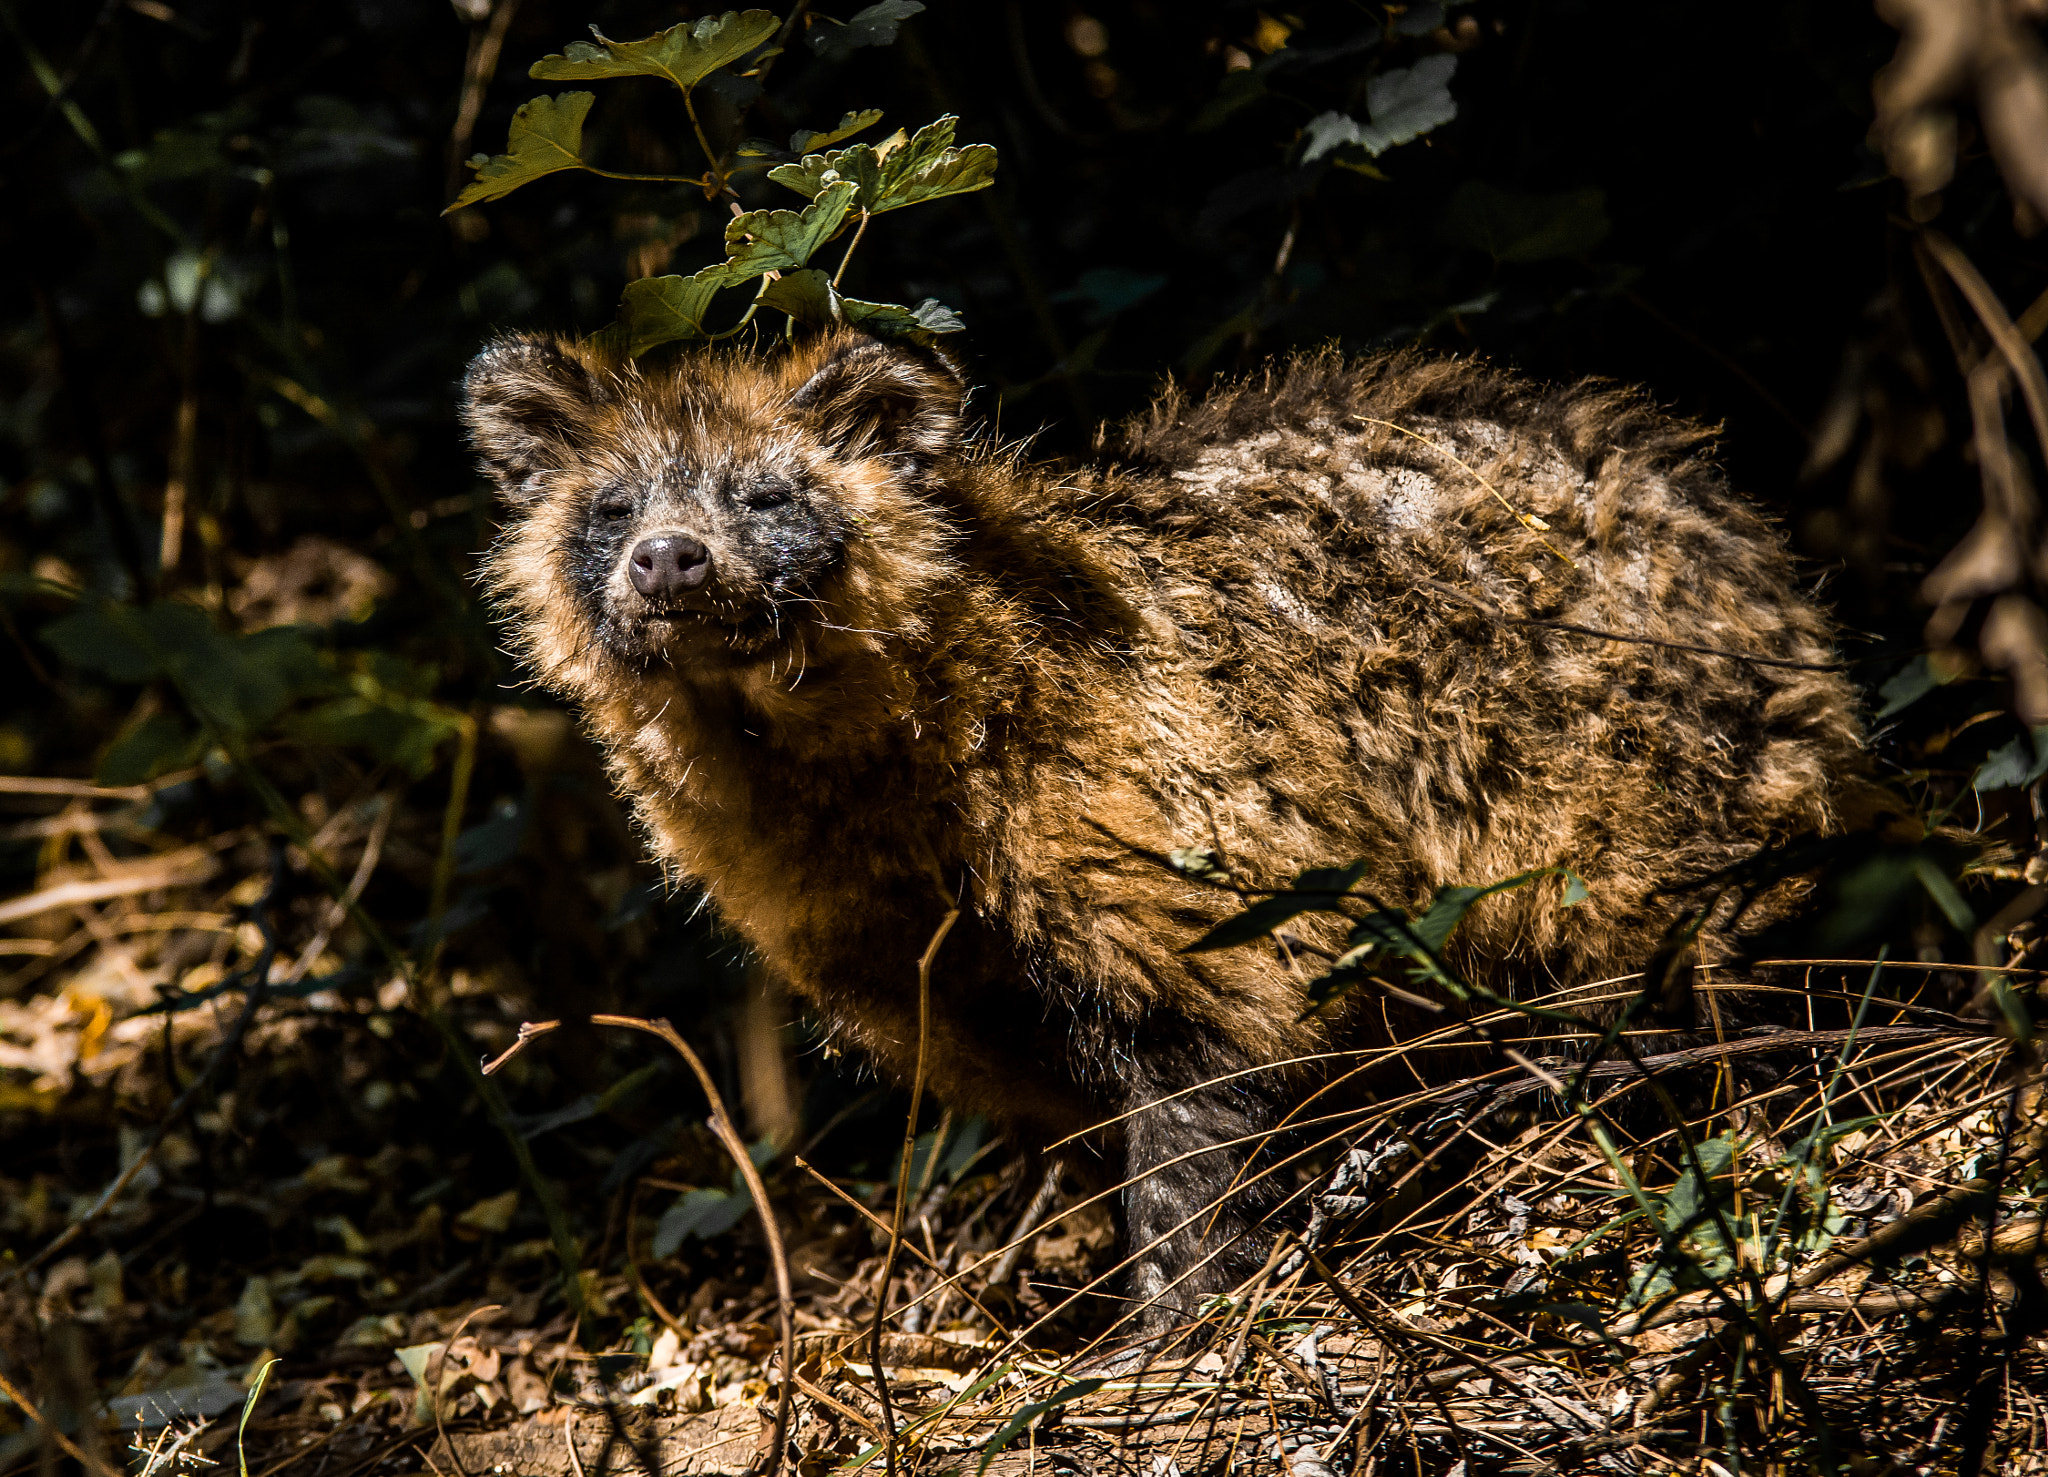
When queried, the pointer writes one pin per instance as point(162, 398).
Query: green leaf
point(896, 172)
point(1405, 103)
point(157, 745)
point(1693, 1198)
point(241, 685)
point(660, 310)
point(702, 1214)
point(1693, 1252)
point(1908, 685)
point(1330, 131)
point(781, 240)
point(874, 26)
point(2014, 765)
point(1237, 90)
point(1865, 888)
point(249, 1409)
point(1109, 290)
point(1198, 862)
point(493, 843)
point(1517, 226)
point(414, 1361)
point(1339, 979)
point(235, 683)
point(1451, 904)
point(805, 139)
point(546, 136)
point(1408, 102)
point(1317, 890)
point(1418, 940)
point(809, 297)
point(1024, 1417)
point(684, 54)
point(108, 639)
point(403, 736)
point(893, 320)
point(1944, 893)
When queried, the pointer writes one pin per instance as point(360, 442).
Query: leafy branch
point(771, 249)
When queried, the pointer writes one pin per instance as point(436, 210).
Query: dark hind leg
point(1194, 1207)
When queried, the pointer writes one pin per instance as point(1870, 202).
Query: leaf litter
point(1463, 1272)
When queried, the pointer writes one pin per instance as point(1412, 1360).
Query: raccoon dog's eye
point(768, 495)
point(612, 509)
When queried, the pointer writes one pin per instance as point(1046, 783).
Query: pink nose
point(669, 564)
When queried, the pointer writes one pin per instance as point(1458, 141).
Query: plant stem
point(858, 232)
point(702, 181)
point(714, 182)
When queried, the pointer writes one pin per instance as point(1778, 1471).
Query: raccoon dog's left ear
point(868, 395)
point(528, 403)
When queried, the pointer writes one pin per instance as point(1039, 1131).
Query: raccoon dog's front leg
point(1195, 1196)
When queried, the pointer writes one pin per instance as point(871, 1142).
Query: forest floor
point(289, 1231)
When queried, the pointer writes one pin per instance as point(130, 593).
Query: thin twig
point(440, 1366)
point(485, 49)
point(1528, 520)
point(28, 1408)
point(924, 1012)
point(1489, 609)
point(337, 910)
point(957, 1278)
point(257, 991)
point(569, 1441)
point(721, 1124)
point(451, 820)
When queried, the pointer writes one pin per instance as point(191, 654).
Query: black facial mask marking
point(772, 538)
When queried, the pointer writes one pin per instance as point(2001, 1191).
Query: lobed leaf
point(236, 683)
point(2014, 765)
point(806, 139)
point(1404, 103)
point(898, 171)
point(1408, 102)
point(661, 310)
point(809, 297)
point(546, 136)
point(782, 240)
point(684, 54)
point(874, 26)
point(893, 320)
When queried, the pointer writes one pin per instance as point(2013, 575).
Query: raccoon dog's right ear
point(528, 403)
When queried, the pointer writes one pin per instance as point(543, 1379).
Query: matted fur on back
point(855, 664)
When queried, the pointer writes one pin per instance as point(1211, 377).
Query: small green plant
point(767, 250)
point(1379, 934)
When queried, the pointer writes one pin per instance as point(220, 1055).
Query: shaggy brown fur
point(919, 669)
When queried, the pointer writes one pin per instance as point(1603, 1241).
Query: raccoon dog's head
point(712, 508)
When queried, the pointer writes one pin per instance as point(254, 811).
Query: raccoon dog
point(854, 663)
